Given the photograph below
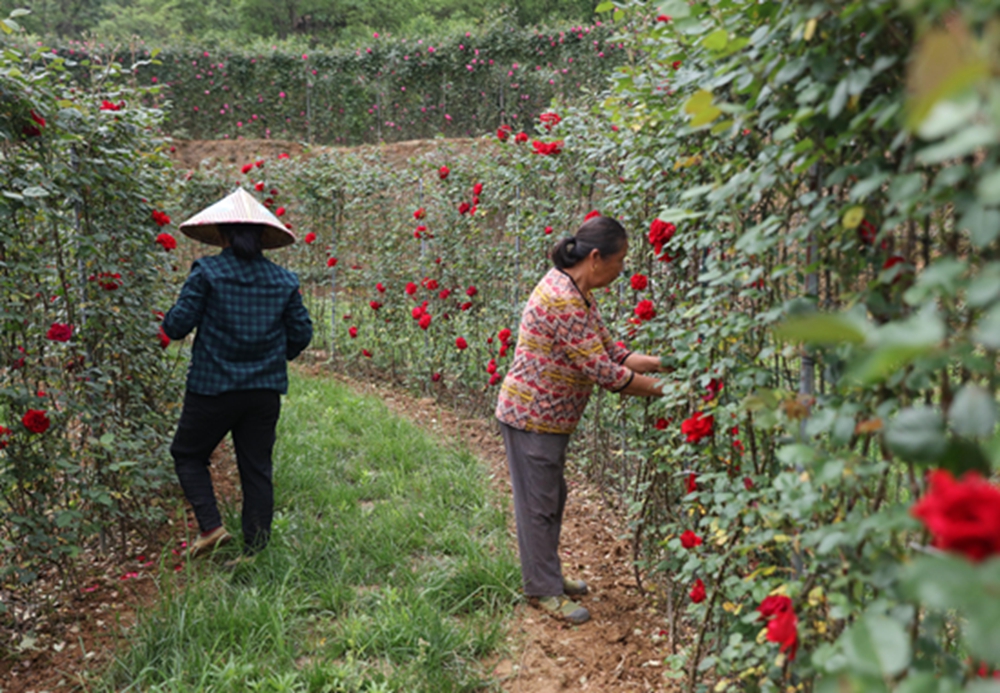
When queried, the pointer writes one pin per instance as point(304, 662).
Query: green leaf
point(973, 412)
point(716, 41)
point(618, 15)
point(988, 188)
point(877, 646)
point(982, 224)
point(837, 101)
point(917, 435)
point(961, 143)
point(604, 7)
point(820, 328)
point(19, 12)
point(947, 116)
point(698, 102)
point(35, 191)
point(940, 279)
point(796, 455)
point(987, 332)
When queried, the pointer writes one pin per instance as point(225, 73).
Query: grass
point(389, 569)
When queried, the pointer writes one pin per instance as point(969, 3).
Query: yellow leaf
point(945, 63)
point(853, 217)
point(810, 29)
point(816, 596)
point(820, 627)
point(722, 685)
point(706, 116)
point(782, 538)
point(698, 102)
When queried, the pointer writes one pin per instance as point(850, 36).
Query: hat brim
point(211, 234)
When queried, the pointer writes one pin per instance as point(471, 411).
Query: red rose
point(503, 132)
point(691, 485)
point(279, 212)
point(443, 172)
point(548, 230)
point(522, 137)
point(591, 214)
point(659, 233)
point(353, 331)
point(963, 515)
point(676, 64)
point(164, 339)
point(477, 189)
point(547, 148)
point(430, 284)
point(160, 218)
point(420, 213)
point(247, 168)
point(38, 119)
point(259, 163)
point(461, 343)
point(259, 187)
point(166, 241)
point(491, 367)
point(463, 207)
point(495, 378)
point(435, 377)
point(381, 287)
point(773, 605)
point(867, 232)
point(411, 288)
point(697, 427)
point(503, 350)
point(503, 335)
point(445, 293)
point(366, 353)
point(661, 424)
point(309, 238)
point(663, 18)
point(689, 540)
point(36, 421)
point(375, 305)
point(425, 321)
point(465, 306)
point(418, 311)
point(697, 593)
point(639, 282)
point(111, 106)
point(748, 483)
point(4, 436)
point(59, 332)
point(471, 291)
point(549, 120)
point(331, 262)
point(714, 387)
point(645, 310)
point(784, 628)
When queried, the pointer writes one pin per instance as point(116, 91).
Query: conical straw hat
point(240, 207)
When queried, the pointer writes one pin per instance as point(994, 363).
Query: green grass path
point(389, 569)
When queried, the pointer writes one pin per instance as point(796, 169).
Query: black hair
point(244, 239)
point(603, 233)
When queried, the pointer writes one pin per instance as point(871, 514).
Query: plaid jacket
point(250, 320)
point(563, 348)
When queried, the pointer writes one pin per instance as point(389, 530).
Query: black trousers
point(251, 416)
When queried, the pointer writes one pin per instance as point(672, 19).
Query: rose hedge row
point(392, 89)
point(812, 200)
point(88, 393)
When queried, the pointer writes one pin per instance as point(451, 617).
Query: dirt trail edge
point(622, 647)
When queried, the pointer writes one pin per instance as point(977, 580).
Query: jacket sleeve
point(186, 313)
point(298, 325)
point(583, 346)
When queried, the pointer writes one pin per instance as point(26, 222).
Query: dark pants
point(251, 415)
point(536, 462)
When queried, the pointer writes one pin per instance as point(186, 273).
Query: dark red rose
point(309, 238)
point(366, 353)
point(495, 378)
point(166, 241)
point(714, 387)
point(259, 186)
point(111, 106)
point(660, 232)
point(161, 218)
point(425, 321)
point(331, 262)
point(460, 343)
point(353, 331)
point(375, 305)
point(549, 120)
point(748, 483)
point(59, 332)
point(661, 424)
point(503, 335)
point(246, 168)
point(697, 593)
point(645, 310)
point(465, 306)
point(435, 377)
point(697, 427)
point(689, 540)
point(380, 287)
point(420, 213)
point(784, 628)
point(639, 282)
point(963, 515)
point(279, 212)
point(36, 421)
point(691, 485)
point(411, 288)
point(774, 604)
point(471, 291)
point(463, 207)
point(522, 137)
point(491, 367)
point(477, 189)
point(503, 132)
point(547, 148)
point(548, 230)
point(443, 172)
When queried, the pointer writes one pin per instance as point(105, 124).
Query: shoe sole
point(197, 551)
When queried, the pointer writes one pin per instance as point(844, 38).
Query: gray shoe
point(563, 607)
point(575, 588)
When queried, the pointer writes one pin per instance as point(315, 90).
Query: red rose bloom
point(381, 287)
point(689, 540)
point(663, 18)
point(463, 207)
point(550, 119)
point(111, 106)
point(465, 306)
point(247, 168)
point(59, 332)
point(36, 421)
point(962, 515)
point(748, 483)
point(309, 238)
point(522, 137)
point(366, 353)
point(166, 241)
point(784, 628)
point(697, 427)
point(443, 172)
point(591, 214)
point(639, 282)
point(375, 305)
point(697, 593)
point(445, 293)
point(495, 378)
point(503, 132)
point(867, 232)
point(420, 213)
point(547, 148)
point(435, 377)
point(331, 262)
point(353, 331)
point(548, 230)
point(491, 367)
point(503, 350)
point(418, 311)
point(279, 212)
point(425, 321)
point(692, 483)
point(714, 387)
point(661, 424)
point(477, 189)
point(4, 436)
point(460, 343)
point(259, 187)
point(430, 284)
point(411, 288)
point(773, 605)
point(503, 335)
point(471, 291)
point(645, 310)
point(161, 218)
point(659, 233)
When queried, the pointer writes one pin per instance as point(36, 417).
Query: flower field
point(811, 193)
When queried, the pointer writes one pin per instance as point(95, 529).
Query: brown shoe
point(563, 607)
point(207, 543)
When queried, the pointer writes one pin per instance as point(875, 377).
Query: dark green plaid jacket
point(250, 321)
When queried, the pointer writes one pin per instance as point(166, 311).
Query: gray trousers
point(536, 462)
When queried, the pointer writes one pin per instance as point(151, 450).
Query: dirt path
point(622, 647)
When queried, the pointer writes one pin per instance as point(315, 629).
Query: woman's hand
point(644, 363)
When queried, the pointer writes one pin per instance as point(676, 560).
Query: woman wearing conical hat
point(250, 321)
